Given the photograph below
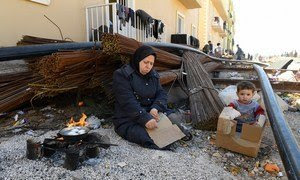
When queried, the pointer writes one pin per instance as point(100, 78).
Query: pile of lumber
point(205, 103)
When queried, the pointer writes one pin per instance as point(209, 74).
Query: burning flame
point(81, 122)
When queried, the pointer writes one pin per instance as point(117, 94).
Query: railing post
point(87, 24)
point(114, 16)
point(107, 21)
point(102, 18)
point(97, 23)
point(92, 23)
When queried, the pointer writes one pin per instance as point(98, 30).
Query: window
point(194, 31)
point(180, 23)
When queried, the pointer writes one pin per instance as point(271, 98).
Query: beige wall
point(206, 32)
point(216, 38)
point(166, 10)
point(22, 17)
point(203, 23)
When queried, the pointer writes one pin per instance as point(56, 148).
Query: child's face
point(245, 95)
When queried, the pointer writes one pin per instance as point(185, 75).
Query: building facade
point(216, 23)
point(179, 16)
point(85, 20)
point(25, 17)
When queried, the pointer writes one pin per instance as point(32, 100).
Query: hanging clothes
point(126, 14)
point(146, 20)
point(161, 28)
point(157, 28)
point(131, 17)
point(121, 14)
point(145, 17)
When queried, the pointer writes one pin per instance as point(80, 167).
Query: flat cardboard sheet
point(166, 133)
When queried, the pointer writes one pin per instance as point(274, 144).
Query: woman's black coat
point(135, 96)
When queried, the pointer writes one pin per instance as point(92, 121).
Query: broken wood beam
point(167, 77)
point(211, 66)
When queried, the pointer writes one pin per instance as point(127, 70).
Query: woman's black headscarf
point(141, 53)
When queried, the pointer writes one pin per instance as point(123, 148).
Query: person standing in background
point(218, 50)
point(239, 53)
point(206, 48)
point(211, 47)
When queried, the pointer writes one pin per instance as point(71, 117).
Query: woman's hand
point(151, 124)
point(154, 113)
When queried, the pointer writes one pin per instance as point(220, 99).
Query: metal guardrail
point(286, 142)
point(19, 52)
point(186, 48)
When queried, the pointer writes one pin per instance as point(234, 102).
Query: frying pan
point(75, 133)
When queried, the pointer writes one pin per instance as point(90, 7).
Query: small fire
point(81, 122)
point(80, 103)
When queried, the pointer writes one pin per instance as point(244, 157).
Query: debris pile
point(15, 89)
point(65, 71)
point(78, 70)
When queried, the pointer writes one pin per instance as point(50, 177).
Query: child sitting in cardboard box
point(247, 114)
point(250, 110)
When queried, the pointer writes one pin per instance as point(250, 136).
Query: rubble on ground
point(199, 158)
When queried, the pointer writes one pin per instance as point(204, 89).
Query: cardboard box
point(247, 142)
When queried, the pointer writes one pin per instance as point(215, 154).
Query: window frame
point(194, 28)
point(180, 30)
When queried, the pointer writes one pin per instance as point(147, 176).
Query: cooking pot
point(75, 133)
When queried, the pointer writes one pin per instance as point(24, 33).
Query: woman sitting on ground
point(139, 98)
